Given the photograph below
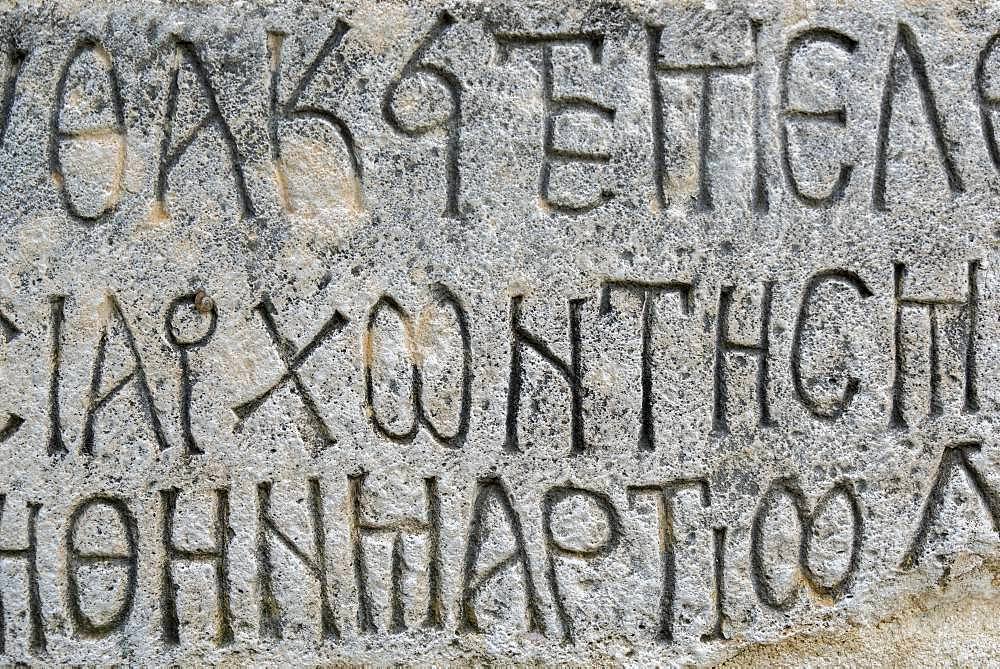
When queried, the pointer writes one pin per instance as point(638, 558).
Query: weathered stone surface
point(561, 332)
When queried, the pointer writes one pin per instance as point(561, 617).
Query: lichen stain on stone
point(382, 25)
point(282, 183)
point(312, 183)
point(158, 214)
point(953, 624)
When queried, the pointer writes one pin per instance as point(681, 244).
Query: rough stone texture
point(519, 332)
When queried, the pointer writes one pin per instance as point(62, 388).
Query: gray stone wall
point(604, 333)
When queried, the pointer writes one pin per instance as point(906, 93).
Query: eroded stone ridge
point(387, 332)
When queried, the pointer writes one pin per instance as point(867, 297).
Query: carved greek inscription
point(906, 46)
point(420, 65)
point(8, 328)
point(92, 189)
point(127, 559)
point(103, 559)
point(57, 316)
point(761, 350)
point(664, 496)
point(316, 564)
point(98, 400)
point(114, 130)
point(554, 546)
point(10, 427)
point(9, 331)
point(420, 417)
point(954, 456)
point(293, 108)
point(789, 488)
point(15, 63)
point(988, 104)
point(719, 574)
point(836, 408)
point(217, 555)
point(360, 527)
point(572, 373)
point(173, 149)
point(292, 359)
point(449, 555)
point(29, 554)
point(647, 291)
point(932, 306)
point(554, 105)
point(707, 74)
point(204, 306)
point(791, 114)
point(492, 494)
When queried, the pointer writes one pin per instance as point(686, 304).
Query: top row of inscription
point(801, 135)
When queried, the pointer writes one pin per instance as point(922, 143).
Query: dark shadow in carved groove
point(790, 489)
point(360, 528)
point(15, 65)
point(647, 291)
point(553, 497)
point(97, 401)
point(571, 373)
point(664, 498)
point(835, 117)
point(57, 135)
point(316, 564)
point(292, 361)
point(453, 125)
point(906, 43)
point(292, 109)
point(852, 384)
point(184, 347)
point(443, 296)
point(706, 72)
point(37, 642)
point(554, 105)
point(487, 489)
point(83, 624)
point(186, 52)
point(217, 556)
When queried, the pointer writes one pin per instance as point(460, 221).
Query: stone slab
point(618, 333)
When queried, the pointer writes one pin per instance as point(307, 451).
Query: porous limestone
point(579, 332)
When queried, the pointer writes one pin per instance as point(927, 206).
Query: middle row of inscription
point(947, 355)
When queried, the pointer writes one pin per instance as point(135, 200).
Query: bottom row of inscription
point(93, 522)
